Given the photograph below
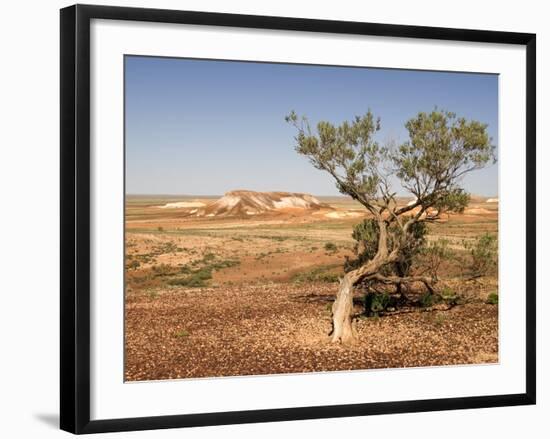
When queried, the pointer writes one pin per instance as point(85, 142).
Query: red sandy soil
point(279, 328)
point(254, 318)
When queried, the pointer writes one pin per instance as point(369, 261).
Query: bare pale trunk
point(343, 330)
point(342, 311)
point(342, 308)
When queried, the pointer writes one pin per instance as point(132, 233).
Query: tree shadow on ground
point(413, 301)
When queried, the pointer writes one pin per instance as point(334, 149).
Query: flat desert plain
point(234, 285)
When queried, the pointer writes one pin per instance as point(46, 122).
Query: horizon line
point(309, 193)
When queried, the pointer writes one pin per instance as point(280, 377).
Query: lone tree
point(366, 236)
point(441, 149)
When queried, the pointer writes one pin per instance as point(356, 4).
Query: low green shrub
point(375, 303)
point(196, 279)
point(152, 293)
point(439, 320)
point(483, 255)
point(427, 299)
point(449, 296)
point(330, 247)
point(182, 333)
point(132, 264)
point(201, 271)
point(163, 270)
point(492, 298)
point(319, 274)
point(434, 254)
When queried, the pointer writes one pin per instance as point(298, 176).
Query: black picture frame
point(75, 217)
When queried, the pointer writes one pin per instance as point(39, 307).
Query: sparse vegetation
point(201, 271)
point(434, 254)
point(180, 273)
point(330, 247)
point(427, 299)
point(397, 268)
point(449, 296)
point(430, 165)
point(183, 333)
point(375, 303)
point(195, 279)
point(366, 235)
point(439, 320)
point(163, 270)
point(132, 264)
point(492, 298)
point(319, 274)
point(483, 252)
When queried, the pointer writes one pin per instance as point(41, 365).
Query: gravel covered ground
point(282, 328)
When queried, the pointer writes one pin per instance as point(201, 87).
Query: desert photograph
point(285, 218)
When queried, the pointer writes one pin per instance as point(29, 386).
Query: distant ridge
point(247, 203)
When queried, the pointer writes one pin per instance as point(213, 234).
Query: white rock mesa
point(182, 205)
point(243, 202)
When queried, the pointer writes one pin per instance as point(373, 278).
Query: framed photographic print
point(268, 218)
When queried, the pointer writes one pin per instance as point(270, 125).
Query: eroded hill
point(244, 203)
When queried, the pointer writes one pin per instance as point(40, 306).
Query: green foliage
point(224, 263)
point(152, 293)
point(163, 270)
point(441, 149)
point(434, 253)
point(196, 279)
point(427, 299)
point(449, 296)
point(201, 271)
point(492, 298)
point(430, 165)
point(448, 293)
point(165, 247)
point(132, 264)
point(366, 235)
point(439, 320)
point(452, 200)
point(330, 247)
point(318, 274)
point(414, 242)
point(182, 333)
point(349, 147)
point(483, 254)
point(375, 303)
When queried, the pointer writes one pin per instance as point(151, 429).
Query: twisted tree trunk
point(342, 311)
point(343, 330)
point(342, 308)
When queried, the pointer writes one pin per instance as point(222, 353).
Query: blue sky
point(206, 127)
